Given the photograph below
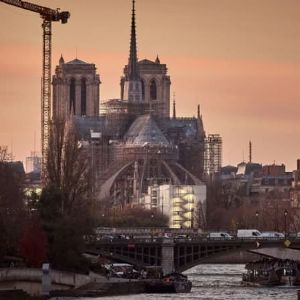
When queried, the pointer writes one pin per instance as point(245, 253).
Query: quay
point(111, 287)
point(25, 284)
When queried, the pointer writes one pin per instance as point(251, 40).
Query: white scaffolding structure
point(213, 154)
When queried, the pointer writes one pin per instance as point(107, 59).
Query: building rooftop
point(76, 61)
point(189, 128)
point(147, 62)
point(144, 131)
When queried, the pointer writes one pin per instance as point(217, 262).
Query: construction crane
point(48, 15)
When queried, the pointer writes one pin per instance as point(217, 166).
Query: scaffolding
point(213, 154)
point(114, 106)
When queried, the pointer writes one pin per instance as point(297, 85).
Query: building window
point(143, 90)
point(153, 90)
point(83, 96)
point(72, 96)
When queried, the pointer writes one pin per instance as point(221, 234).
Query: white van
point(219, 236)
point(272, 235)
point(248, 234)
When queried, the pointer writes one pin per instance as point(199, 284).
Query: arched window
point(83, 96)
point(153, 91)
point(72, 96)
point(143, 90)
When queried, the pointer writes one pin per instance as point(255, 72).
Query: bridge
point(176, 254)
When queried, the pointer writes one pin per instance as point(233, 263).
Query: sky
point(238, 59)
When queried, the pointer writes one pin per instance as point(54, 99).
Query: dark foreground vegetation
point(51, 226)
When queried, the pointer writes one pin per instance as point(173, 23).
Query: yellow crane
point(48, 16)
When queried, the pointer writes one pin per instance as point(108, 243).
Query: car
point(107, 237)
point(182, 237)
point(123, 237)
point(222, 235)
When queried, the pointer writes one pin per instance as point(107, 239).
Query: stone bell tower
point(75, 89)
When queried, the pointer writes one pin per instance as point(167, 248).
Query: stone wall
point(29, 280)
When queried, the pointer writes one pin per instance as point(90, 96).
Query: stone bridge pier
point(167, 256)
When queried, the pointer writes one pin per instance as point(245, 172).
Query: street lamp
point(256, 216)
point(285, 215)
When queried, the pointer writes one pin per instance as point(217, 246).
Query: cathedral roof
point(147, 62)
point(144, 131)
point(77, 61)
point(190, 128)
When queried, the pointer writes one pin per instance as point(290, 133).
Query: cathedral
point(140, 153)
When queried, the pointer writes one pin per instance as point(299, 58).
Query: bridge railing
point(184, 240)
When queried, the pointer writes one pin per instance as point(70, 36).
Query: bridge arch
point(180, 255)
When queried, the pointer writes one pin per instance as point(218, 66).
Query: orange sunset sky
point(238, 59)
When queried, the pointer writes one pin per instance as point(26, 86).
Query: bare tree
point(64, 205)
point(199, 217)
point(4, 155)
point(55, 153)
point(67, 165)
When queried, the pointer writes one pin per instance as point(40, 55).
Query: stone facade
point(75, 89)
point(155, 87)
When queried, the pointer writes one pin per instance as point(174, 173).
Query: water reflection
point(218, 282)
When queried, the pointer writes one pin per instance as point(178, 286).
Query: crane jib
point(45, 12)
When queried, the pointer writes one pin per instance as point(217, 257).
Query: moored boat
point(278, 266)
point(171, 283)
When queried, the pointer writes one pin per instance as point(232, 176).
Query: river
point(217, 282)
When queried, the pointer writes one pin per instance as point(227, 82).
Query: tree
point(133, 217)
point(5, 156)
point(33, 244)
point(12, 213)
point(11, 179)
point(65, 205)
point(67, 166)
point(68, 244)
point(199, 217)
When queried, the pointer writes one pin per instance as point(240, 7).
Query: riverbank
point(14, 294)
point(110, 287)
point(23, 284)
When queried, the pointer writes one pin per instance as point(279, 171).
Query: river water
point(217, 282)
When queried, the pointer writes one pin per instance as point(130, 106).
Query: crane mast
point(48, 15)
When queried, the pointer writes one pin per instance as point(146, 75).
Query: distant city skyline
point(240, 60)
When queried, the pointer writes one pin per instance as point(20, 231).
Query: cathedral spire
point(61, 60)
point(132, 63)
point(198, 112)
point(174, 107)
point(133, 84)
